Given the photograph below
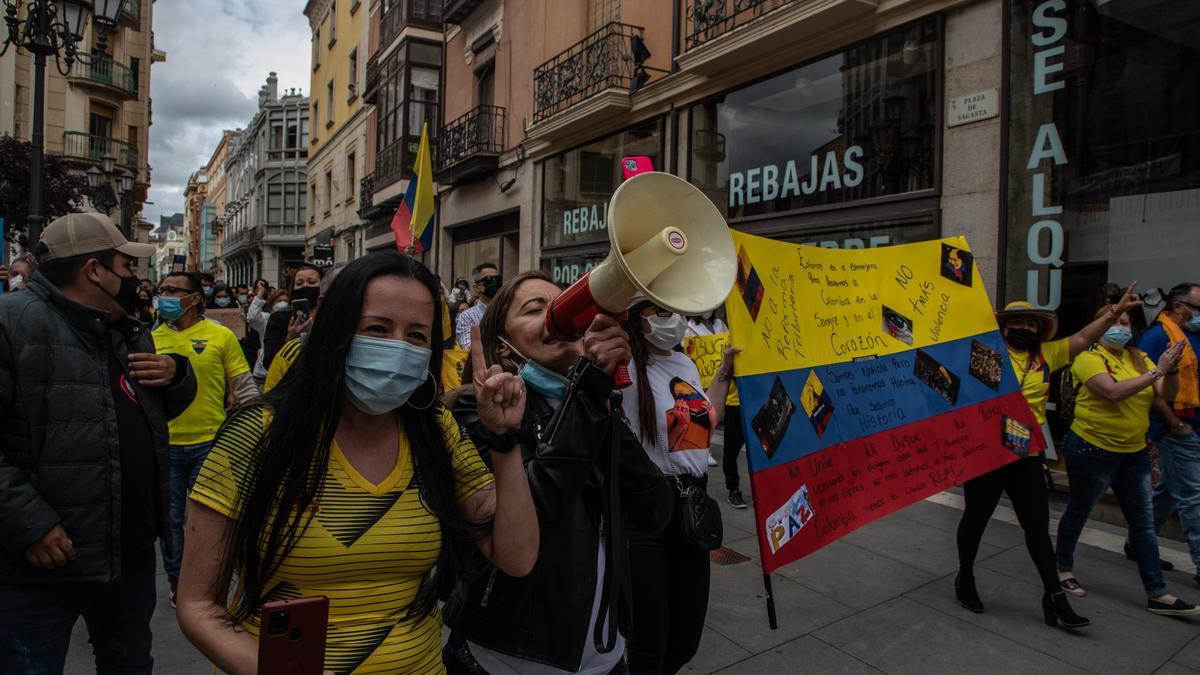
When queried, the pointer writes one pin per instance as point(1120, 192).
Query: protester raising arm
point(1091, 333)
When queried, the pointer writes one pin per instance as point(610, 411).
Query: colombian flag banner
point(413, 222)
point(870, 379)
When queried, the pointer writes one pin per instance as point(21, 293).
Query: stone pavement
point(882, 600)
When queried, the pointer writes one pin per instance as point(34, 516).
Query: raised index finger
point(1129, 291)
point(478, 362)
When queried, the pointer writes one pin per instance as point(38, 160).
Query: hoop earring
point(433, 399)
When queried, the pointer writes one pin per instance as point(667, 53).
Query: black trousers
point(670, 599)
point(734, 439)
point(1024, 482)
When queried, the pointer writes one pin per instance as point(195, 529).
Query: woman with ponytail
point(349, 481)
point(674, 417)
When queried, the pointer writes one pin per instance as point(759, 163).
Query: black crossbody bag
point(698, 514)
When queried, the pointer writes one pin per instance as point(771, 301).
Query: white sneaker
point(712, 461)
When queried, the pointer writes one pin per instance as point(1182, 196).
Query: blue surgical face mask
point(1117, 337)
point(208, 291)
point(1193, 323)
point(542, 380)
point(382, 374)
point(170, 308)
point(221, 301)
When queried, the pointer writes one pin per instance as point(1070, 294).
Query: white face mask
point(279, 306)
point(16, 281)
point(666, 333)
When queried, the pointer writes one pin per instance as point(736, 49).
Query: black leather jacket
point(544, 616)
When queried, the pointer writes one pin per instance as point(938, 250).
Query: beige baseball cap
point(81, 233)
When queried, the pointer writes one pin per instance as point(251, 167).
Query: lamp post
point(53, 28)
point(110, 189)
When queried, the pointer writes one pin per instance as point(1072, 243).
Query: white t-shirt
point(686, 418)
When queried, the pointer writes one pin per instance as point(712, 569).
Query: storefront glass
point(856, 125)
point(1103, 178)
point(578, 184)
point(567, 269)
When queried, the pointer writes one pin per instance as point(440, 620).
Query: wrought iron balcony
point(710, 19)
point(470, 146)
point(709, 143)
point(371, 86)
point(601, 61)
point(108, 74)
point(400, 13)
point(366, 194)
point(80, 146)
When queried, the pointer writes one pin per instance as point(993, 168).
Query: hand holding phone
point(292, 637)
point(300, 309)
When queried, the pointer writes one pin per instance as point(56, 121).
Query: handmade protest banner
point(870, 379)
point(706, 352)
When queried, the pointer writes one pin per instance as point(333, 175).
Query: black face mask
point(491, 285)
point(126, 295)
point(309, 293)
point(1021, 339)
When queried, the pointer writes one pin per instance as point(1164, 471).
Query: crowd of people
point(282, 443)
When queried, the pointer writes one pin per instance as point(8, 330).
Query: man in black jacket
point(84, 403)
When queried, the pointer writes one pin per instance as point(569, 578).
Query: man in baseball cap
point(84, 403)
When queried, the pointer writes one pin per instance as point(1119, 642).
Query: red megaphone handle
point(621, 377)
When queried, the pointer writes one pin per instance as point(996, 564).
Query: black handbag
point(698, 514)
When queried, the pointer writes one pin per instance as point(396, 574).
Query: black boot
point(964, 590)
point(1057, 610)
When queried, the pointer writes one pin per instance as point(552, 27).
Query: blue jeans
point(186, 461)
point(1181, 468)
point(1092, 470)
point(36, 621)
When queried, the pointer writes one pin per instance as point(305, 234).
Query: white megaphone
point(670, 244)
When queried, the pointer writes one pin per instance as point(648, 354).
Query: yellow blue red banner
point(870, 379)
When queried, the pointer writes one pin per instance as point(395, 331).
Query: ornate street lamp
point(110, 189)
point(53, 28)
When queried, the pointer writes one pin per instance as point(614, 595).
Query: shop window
point(1103, 169)
point(577, 184)
point(859, 124)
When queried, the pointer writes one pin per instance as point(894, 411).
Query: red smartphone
point(291, 637)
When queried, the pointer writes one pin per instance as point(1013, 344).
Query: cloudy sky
point(219, 53)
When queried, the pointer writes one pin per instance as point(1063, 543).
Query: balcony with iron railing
point(719, 34)
point(397, 14)
point(366, 194)
point(86, 147)
point(470, 146)
point(598, 63)
point(371, 85)
point(106, 74)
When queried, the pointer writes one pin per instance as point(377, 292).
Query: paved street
point(882, 600)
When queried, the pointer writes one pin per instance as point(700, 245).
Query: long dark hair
point(647, 415)
point(290, 460)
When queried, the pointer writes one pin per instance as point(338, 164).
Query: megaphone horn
point(669, 244)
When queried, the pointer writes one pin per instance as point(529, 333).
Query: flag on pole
point(413, 222)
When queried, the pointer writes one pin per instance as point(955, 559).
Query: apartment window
point(352, 81)
point(422, 106)
point(485, 84)
point(135, 70)
point(351, 176)
point(328, 192)
point(301, 200)
point(329, 105)
point(316, 48)
point(316, 114)
point(390, 104)
point(332, 22)
point(312, 198)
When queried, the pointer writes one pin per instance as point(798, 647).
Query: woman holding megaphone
point(585, 470)
point(674, 417)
